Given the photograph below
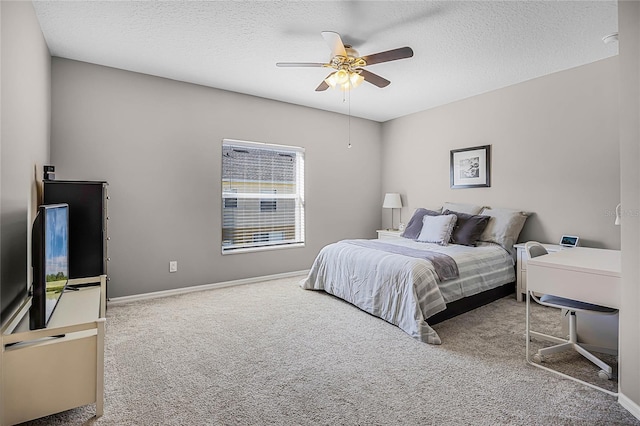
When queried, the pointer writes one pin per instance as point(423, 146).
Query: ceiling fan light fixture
point(342, 77)
point(338, 79)
point(355, 79)
point(344, 80)
point(331, 80)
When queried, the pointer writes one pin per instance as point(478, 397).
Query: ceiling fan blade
point(374, 79)
point(324, 86)
point(335, 43)
point(389, 55)
point(301, 64)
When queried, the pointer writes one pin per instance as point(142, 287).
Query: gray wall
point(158, 144)
point(554, 153)
point(629, 28)
point(24, 136)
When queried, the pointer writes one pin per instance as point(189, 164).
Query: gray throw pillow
point(504, 227)
point(462, 208)
point(469, 228)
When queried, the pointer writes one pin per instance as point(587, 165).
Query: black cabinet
point(87, 223)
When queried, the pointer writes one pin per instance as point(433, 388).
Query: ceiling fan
point(349, 65)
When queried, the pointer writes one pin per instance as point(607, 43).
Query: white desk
point(522, 259)
point(585, 274)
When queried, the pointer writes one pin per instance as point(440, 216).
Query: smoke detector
point(611, 38)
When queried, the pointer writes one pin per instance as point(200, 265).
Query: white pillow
point(437, 229)
point(462, 208)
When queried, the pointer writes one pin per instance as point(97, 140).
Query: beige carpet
point(272, 353)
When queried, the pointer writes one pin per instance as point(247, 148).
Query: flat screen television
point(50, 261)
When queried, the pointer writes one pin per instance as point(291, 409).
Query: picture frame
point(471, 167)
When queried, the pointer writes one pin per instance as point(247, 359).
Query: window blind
point(262, 196)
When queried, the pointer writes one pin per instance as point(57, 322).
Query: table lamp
point(392, 201)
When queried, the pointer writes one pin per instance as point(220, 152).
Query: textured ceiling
point(461, 48)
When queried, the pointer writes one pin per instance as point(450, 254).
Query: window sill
point(265, 248)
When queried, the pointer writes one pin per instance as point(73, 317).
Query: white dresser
point(387, 234)
point(59, 367)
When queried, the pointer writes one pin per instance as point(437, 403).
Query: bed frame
point(472, 302)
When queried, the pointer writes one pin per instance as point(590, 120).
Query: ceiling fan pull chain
point(349, 145)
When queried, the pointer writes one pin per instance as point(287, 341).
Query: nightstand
point(388, 234)
point(521, 267)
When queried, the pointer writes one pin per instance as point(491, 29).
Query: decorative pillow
point(468, 228)
point(437, 229)
point(462, 208)
point(504, 227)
point(415, 224)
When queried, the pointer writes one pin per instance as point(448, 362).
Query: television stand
point(44, 374)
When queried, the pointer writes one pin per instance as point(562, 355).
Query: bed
point(416, 281)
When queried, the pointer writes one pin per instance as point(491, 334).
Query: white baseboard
point(173, 292)
point(629, 405)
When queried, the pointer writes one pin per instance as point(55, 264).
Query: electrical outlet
point(173, 266)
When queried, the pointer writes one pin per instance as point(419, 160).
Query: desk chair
point(535, 249)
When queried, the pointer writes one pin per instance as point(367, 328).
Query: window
point(262, 196)
point(230, 203)
point(268, 205)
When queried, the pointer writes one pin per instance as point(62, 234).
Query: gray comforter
point(402, 289)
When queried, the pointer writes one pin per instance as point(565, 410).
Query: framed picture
point(471, 167)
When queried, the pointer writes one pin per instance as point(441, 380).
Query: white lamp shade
point(392, 201)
